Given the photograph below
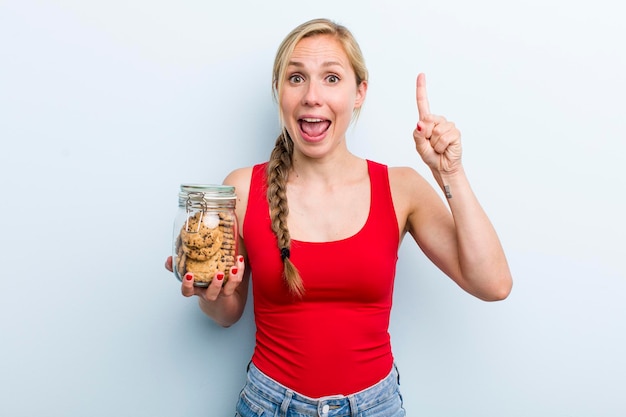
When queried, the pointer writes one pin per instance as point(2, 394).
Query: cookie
point(205, 245)
point(202, 238)
point(201, 254)
point(204, 271)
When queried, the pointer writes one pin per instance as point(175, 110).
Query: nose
point(312, 94)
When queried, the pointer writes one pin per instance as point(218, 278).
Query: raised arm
point(461, 241)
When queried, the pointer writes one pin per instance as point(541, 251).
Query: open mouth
point(313, 127)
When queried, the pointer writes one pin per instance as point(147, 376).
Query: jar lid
point(209, 191)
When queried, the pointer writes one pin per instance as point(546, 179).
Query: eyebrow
point(325, 64)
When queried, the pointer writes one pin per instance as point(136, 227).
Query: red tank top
point(335, 339)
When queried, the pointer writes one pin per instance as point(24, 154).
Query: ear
point(361, 92)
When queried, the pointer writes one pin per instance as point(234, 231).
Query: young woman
point(320, 230)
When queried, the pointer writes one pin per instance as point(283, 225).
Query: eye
point(295, 79)
point(333, 79)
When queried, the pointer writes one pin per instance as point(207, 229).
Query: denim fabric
point(264, 397)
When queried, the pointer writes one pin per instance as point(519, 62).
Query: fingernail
point(233, 271)
point(419, 128)
point(220, 276)
point(188, 277)
point(240, 259)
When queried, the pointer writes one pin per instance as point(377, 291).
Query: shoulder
point(402, 172)
point(239, 177)
point(405, 179)
point(403, 182)
point(406, 182)
point(397, 174)
point(242, 178)
point(413, 196)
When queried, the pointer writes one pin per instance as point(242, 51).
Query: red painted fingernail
point(220, 276)
point(188, 277)
point(234, 271)
point(240, 259)
point(419, 128)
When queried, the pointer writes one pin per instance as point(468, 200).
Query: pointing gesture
point(423, 107)
point(437, 140)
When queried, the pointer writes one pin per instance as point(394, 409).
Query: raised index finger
point(423, 107)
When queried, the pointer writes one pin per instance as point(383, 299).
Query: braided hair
point(277, 174)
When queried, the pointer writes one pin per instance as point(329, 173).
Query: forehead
point(320, 48)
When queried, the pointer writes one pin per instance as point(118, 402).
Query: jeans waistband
point(282, 396)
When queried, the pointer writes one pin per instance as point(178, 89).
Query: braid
point(277, 174)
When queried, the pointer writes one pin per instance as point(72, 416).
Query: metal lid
point(209, 191)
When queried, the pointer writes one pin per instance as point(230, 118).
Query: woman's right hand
point(216, 288)
point(223, 302)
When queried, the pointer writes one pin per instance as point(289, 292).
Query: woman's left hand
point(437, 140)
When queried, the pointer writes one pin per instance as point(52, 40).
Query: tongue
point(314, 128)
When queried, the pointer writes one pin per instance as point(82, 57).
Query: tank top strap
point(382, 203)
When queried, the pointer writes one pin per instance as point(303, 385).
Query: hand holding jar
point(205, 254)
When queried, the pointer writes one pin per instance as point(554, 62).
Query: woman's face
point(319, 95)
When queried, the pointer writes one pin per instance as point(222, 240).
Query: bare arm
point(459, 239)
point(463, 242)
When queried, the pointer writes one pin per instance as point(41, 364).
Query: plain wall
point(106, 107)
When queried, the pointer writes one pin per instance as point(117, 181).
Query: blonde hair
point(281, 157)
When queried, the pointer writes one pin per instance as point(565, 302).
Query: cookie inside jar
point(205, 239)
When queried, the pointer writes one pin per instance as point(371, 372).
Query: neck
point(330, 169)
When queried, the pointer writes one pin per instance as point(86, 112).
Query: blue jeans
point(264, 397)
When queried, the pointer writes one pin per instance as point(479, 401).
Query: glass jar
point(205, 232)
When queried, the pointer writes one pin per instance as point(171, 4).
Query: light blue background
point(107, 106)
